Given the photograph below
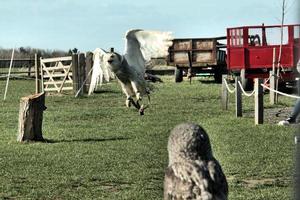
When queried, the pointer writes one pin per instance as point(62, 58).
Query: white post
point(224, 93)
point(9, 71)
point(272, 86)
point(273, 80)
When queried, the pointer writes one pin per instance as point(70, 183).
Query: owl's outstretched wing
point(100, 70)
point(142, 45)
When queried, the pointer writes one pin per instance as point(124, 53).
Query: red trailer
point(250, 50)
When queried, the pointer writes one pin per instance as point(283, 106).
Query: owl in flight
point(129, 68)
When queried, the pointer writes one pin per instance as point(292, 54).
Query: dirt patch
point(253, 183)
point(272, 115)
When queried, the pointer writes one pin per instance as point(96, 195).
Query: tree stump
point(31, 117)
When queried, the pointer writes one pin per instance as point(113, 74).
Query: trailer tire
point(218, 72)
point(178, 75)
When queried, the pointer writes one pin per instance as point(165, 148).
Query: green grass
point(99, 149)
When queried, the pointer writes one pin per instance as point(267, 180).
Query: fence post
point(41, 74)
point(81, 73)
point(298, 86)
point(78, 73)
point(29, 67)
point(272, 86)
point(75, 70)
point(224, 93)
point(238, 97)
point(88, 67)
point(259, 101)
point(189, 74)
point(37, 65)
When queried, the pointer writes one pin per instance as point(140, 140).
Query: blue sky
point(87, 24)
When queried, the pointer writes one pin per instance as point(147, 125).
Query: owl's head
point(114, 60)
point(188, 141)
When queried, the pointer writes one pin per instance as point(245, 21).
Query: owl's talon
point(138, 96)
point(141, 110)
point(128, 102)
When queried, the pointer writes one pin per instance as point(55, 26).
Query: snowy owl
point(129, 68)
point(193, 172)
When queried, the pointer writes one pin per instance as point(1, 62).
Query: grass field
point(99, 149)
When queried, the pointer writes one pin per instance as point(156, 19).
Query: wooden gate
point(56, 74)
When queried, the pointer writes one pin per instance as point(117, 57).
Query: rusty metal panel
point(204, 44)
point(183, 45)
point(206, 56)
point(181, 58)
point(203, 50)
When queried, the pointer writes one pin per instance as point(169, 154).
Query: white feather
point(141, 46)
point(100, 70)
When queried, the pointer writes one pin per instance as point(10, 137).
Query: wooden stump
point(31, 117)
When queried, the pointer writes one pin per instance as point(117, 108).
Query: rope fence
point(227, 86)
point(244, 92)
point(278, 92)
point(258, 93)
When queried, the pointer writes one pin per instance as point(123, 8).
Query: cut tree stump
point(31, 117)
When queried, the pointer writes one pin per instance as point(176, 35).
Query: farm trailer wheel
point(218, 72)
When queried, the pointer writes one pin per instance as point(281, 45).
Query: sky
point(88, 24)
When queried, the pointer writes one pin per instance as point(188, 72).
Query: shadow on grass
point(85, 140)
point(106, 91)
point(208, 81)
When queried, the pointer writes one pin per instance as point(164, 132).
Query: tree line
point(29, 52)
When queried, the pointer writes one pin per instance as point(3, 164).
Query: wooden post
point(75, 72)
point(272, 86)
point(88, 67)
point(189, 74)
point(298, 86)
point(259, 101)
point(37, 65)
point(81, 73)
point(29, 68)
point(297, 170)
point(42, 75)
point(224, 95)
point(238, 97)
point(31, 117)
